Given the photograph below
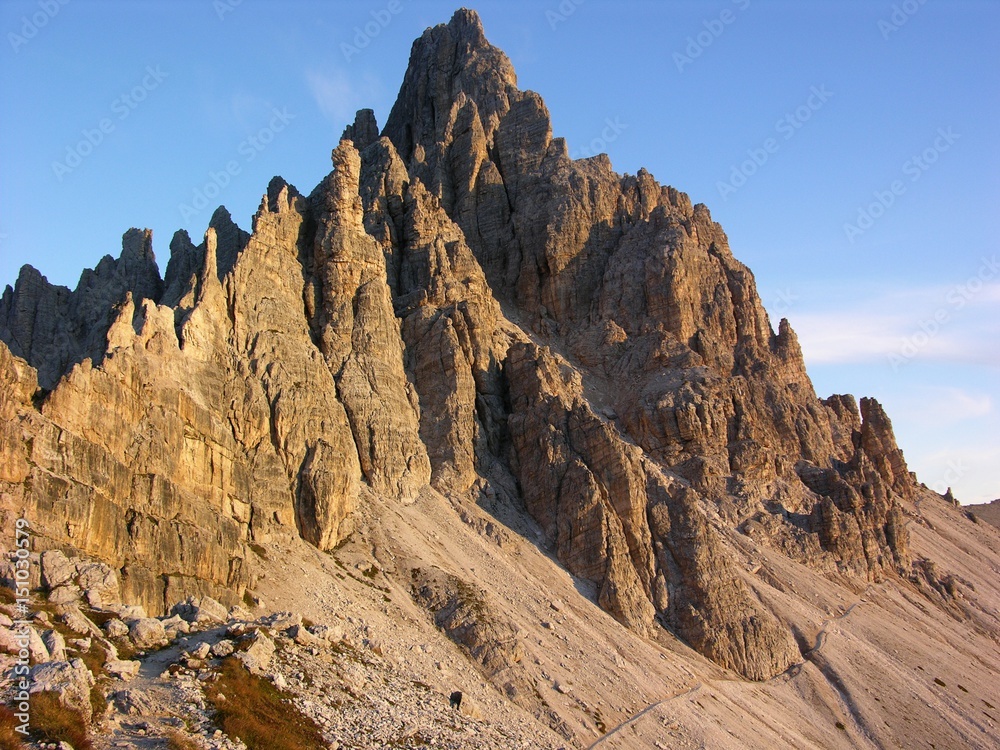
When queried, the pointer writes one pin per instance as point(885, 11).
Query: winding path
point(632, 719)
point(821, 636)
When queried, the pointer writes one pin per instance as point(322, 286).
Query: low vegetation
point(53, 722)
point(178, 741)
point(95, 657)
point(9, 738)
point(263, 717)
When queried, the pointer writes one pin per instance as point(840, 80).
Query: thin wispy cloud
point(955, 323)
point(249, 110)
point(968, 469)
point(339, 95)
point(946, 405)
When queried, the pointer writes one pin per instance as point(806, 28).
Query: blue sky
point(848, 148)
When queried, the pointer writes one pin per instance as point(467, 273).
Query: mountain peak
point(468, 26)
point(507, 387)
point(447, 61)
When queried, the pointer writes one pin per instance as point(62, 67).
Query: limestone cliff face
point(457, 304)
point(54, 328)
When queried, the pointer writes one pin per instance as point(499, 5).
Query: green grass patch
point(252, 709)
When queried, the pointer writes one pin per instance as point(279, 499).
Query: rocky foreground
point(489, 420)
point(140, 681)
point(369, 659)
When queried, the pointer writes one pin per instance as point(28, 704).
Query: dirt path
point(653, 706)
point(152, 705)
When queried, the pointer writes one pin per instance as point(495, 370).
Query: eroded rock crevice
point(458, 301)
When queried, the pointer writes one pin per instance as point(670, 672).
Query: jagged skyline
point(493, 419)
point(787, 221)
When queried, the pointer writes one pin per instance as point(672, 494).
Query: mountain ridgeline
point(460, 305)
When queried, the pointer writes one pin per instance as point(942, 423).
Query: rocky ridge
point(457, 308)
point(989, 512)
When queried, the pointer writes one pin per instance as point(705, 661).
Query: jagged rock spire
point(630, 392)
point(449, 60)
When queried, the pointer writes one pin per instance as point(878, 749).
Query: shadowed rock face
point(457, 303)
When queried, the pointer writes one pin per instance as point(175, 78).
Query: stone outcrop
point(53, 328)
point(460, 304)
point(617, 519)
point(359, 336)
point(472, 621)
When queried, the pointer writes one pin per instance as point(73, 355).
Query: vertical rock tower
point(457, 305)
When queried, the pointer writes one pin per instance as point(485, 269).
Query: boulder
point(282, 620)
point(329, 633)
point(176, 624)
point(201, 610)
point(115, 628)
point(127, 612)
point(236, 612)
point(55, 644)
point(39, 651)
point(223, 648)
point(301, 635)
point(80, 644)
point(68, 593)
point(57, 569)
point(71, 681)
point(147, 633)
point(100, 584)
point(258, 655)
point(123, 669)
point(11, 640)
point(74, 619)
point(107, 648)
